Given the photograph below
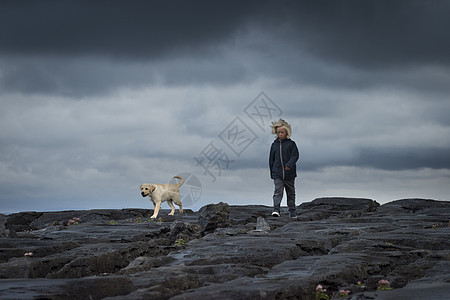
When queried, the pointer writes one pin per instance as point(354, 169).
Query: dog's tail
point(181, 180)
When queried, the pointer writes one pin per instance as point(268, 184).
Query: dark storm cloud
point(360, 33)
point(374, 33)
point(79, 48)
point(131, 29)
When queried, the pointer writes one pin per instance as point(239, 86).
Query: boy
point(282, 159)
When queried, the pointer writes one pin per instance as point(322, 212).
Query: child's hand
point(287, 168)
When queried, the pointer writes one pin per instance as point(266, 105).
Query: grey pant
point(289, 186)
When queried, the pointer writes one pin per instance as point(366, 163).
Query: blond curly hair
point(281, 124)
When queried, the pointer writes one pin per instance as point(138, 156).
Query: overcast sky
point(98, 97)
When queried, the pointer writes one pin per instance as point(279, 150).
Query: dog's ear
point(152, 188)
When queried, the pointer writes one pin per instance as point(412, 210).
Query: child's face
point(281, 133)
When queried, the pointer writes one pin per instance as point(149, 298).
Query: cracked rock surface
point(230, 252)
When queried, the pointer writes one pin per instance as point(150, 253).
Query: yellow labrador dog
point(163, 192)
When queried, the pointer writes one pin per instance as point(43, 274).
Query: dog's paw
point(171, 214)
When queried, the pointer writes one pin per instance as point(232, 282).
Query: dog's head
point(147, 189)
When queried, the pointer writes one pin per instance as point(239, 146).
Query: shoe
point(293, 215)
point(275, 214)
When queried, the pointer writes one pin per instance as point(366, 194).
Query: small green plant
point(343, 293)
point(383, 285)
point(180, 242)
point(438, 225)
point(360, 284)
point(112, 222)
point(139, 220)
point(74, 221)
point(321, 293)
point(159, 220)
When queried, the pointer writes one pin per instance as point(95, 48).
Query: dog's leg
point(172, 212)
point(156, 210)
point(177, 201)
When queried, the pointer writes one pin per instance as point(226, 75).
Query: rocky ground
point(344, 246)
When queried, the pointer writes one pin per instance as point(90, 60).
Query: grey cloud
point(78, 77)
point(404, 158)
point(71, 76)
point(382, 158)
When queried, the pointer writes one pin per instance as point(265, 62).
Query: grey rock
point(145, 263)
point(261, 225)
point(2, 225)
point(4, 232)
point(213, 216)
point(231, 252)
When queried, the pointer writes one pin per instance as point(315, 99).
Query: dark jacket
point(283, 154)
